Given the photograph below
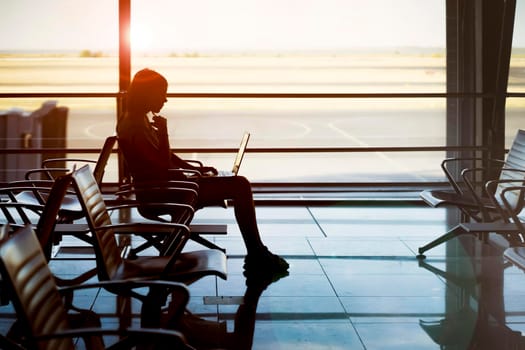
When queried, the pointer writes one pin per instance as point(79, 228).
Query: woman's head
point(147, 92)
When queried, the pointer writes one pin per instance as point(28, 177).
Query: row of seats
point(53, 207)
point(491, 207)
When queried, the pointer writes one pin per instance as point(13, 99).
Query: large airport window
point(50, 47)
point(515, 107)
point(311, 47)
point(256, 47)
point(59, 46)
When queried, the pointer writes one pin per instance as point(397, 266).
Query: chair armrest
point(49, 173)
point(37, 187)
point(31, 206)
point(48, 161)
point(168, 207)
point(19, 208)
point(169, 183)
point(14, 189)
point(467, 174)
point(29, 182)
point(194, 161)
point(155, 201)
point(512, 209)
point(186, 172)
point(494, 191)
point(445, 164)
point(132, 191)
point(147, 228)
point(173, 247)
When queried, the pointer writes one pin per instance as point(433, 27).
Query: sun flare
point(139, 38)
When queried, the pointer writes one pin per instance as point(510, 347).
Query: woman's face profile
point(158, 97)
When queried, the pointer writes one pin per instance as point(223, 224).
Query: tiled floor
point(355, 283)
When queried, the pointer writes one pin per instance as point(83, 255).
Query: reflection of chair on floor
point(468, 329)
point(42, 316)
point(454, 331)
point(476, 205)
point(176, 265)
point(474, 310)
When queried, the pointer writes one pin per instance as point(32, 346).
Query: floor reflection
point(202, 333)
point(475, 315)
point(354, 284)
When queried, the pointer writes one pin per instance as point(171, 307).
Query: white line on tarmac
point(90, 130)
point(381, 155)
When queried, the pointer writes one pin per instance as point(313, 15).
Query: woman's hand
point(208, 170)
point(160, 123)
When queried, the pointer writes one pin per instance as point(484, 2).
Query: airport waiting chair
point(180, 192)
point(23, 201)
point(192, 266)
point(31, 193)
point(143, 193)
point(474, 201)
point(44, 319)
point(18, 213)
point(70, 209)
point(176, 265)
point(45, 218)
point(465, 194)
point(511, 201)
point(46, 224)
point(176, 191)
point(33, 212)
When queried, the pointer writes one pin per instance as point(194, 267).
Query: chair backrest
point(104, 243)
point(50, 169)
point(103, 158)
point(516, 156)
point(50, 214)
point(34, 294)
point(107, 251)
point(513, 174)
point(17, 212)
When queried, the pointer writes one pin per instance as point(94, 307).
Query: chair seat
point(516, 255)
point(441, 198)
point(70, 207)
point(189, 266)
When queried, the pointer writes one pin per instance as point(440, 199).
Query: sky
point(238, 25)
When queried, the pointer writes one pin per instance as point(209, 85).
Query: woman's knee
point(243, 183)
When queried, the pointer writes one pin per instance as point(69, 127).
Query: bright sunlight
point(140, 37)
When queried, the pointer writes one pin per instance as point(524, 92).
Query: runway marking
point(380, 154)
point(90, 132)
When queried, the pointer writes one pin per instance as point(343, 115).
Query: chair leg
point(455, 232)
point(199, 239)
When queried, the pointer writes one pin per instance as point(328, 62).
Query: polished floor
point(354, 283)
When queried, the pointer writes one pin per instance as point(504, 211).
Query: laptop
point(238, 158)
